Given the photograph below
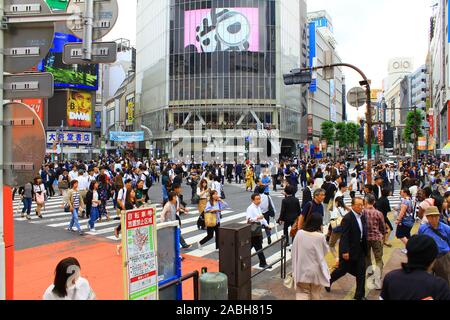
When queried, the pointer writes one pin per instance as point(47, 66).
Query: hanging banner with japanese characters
point(130, 109)
point(69, 137)
point(139, 254)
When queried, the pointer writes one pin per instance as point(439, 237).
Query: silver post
point(88, 30)
point(2, 237)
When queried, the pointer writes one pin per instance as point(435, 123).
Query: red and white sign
point(139, 244)
point(36, 104)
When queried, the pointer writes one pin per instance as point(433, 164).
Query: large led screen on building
point(79, 109)
point(222, 52)
point(222, 29)
point(68, 76)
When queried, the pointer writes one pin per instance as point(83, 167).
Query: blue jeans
point(94, 215)
point(27, 205)
point(74, 221)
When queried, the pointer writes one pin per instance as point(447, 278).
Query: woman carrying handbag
point(39, 193)
point(213, 212)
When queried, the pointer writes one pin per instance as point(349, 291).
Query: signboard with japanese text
point(69, 137)
point(139, 239)
point(127, 136)
point(130, 104)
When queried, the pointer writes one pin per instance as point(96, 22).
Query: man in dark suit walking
point(353, 249)
point(290, 210)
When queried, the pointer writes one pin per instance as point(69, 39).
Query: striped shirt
point(76, 199)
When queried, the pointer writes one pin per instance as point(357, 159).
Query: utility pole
point(300, 74)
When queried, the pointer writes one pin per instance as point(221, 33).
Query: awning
point(446, 149)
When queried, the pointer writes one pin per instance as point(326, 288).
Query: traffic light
point(389, 139)
point(362, 138)
point(297, 77)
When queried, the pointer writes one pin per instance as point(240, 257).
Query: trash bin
point(213, 286)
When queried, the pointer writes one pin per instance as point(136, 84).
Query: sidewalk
point(34, 268)
point(270, 286)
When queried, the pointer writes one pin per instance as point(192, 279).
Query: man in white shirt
point(144, 174)
point(83, 187)
point(254, 216)
point(73, 175)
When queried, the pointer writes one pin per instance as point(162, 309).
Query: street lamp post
point(365, 83)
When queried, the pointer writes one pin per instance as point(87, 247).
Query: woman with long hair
point(103, 194)
point(39, 193)
point(214, 208)
point(93, 201)
point(202, 192)
point(405, 220)
point(309, 268)
point(68, 283)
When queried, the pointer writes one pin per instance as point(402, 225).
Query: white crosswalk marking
point(55, 217)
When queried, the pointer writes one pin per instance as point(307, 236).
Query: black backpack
point(148, 181)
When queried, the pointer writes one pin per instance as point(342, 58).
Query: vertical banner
point(139, 254)
point(130, 105)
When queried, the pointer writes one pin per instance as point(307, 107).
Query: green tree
point(413, 130)
point(352, 133)
point(342, 134)
point(328, 131)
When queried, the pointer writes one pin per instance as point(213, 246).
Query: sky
point(369, 33)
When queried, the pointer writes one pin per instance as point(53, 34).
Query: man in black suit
point(307, 193)
point(378, 187)
point(353, 249)
point(290, 210)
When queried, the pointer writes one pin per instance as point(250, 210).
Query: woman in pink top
point(309, 268)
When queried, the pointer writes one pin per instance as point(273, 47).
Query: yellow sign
point(130, 109)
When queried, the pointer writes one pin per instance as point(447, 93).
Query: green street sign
point(57, 4)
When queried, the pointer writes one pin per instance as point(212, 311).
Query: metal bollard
point(213, 286)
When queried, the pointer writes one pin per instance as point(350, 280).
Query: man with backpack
point(148, 181)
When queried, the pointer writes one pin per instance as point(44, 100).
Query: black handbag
point(201, 222)
point(222, 195)
point(256, 230)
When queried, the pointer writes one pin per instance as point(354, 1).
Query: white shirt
point(144, 176)
point(253, 213)
point(94, 199)
point(73, 175)
point(264, 206)
point(122, 195)
point(216, 186)
point(80, 291)
point(354, 184)
point(83, 183)
point(358, 218)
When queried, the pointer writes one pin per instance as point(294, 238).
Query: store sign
point(127, 136)
point(139, 254)
point(130, 103)
point(69, 137)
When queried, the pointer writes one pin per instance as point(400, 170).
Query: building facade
point(325, 102)
point(438, 66)
point(206, 65)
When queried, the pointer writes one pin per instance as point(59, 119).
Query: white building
point(325, 96)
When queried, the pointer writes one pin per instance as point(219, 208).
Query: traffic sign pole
point(2, 234)
point(88, 30)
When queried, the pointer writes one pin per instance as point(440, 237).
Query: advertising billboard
point(36, 104)
point(222, 29)
point(130, 103)
point(68, 76)
point(79, 109)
